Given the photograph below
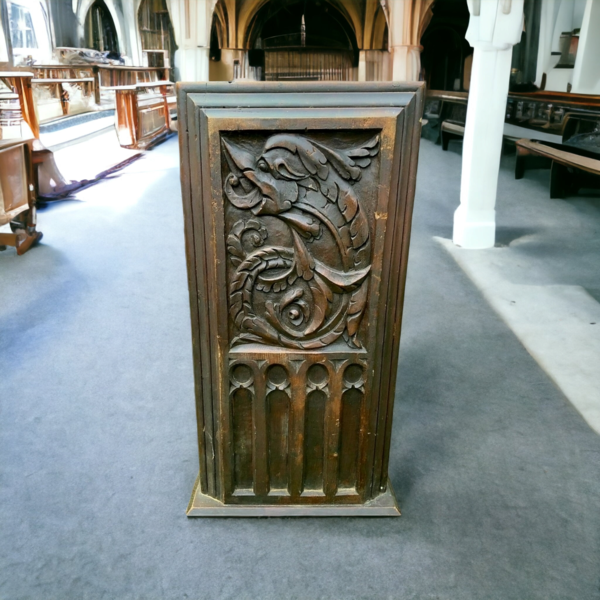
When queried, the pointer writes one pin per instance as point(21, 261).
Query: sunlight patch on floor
point(559, 325)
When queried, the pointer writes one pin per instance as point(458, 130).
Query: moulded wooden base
point(384, 505)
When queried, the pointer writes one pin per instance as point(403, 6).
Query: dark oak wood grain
point(297, 201)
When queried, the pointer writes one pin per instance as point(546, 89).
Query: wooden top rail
point(140, 85)
point(66, 80)
point(111, 77)
point(449, 96)
point(563, 156)
point(63, 67)
point(4, 144)
point(21, 81)
point(579, 100)
point(128, 68)
point(16, 74)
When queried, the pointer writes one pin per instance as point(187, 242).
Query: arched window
point(22, 34)
point(100, 31)
point(155, 26)
point(29, 33)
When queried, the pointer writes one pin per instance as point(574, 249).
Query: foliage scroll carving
point(307, 287)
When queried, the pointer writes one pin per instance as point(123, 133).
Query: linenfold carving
point(302, 258)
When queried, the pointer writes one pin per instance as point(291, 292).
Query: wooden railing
point(109, 76)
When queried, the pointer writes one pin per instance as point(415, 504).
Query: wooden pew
point(570, 168)
point(20, 82)
point(61, 90)
point(109, 77)
point(17, 195)
point(23, 111)
point(451, 131)
point(142, 116)
point(558, 113)
point(106, 78)
point(446, 113)
point(575, 162)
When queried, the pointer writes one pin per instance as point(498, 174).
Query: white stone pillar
point(494, 27)
point(362, 66)
point(192, 63)
point(405, 18)
point(191, 22)
point(406, 63)
point(131, 30)
point(585, 73)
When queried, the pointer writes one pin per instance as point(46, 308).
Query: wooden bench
point(17, 196)
point(57, 98)
point(61, 90)
point(109, 78)
point(570, 168)
point(20, 82)
point(20, 121)
point(551, 112)
point(446, 113)
point(142, 116)
point(451, 131)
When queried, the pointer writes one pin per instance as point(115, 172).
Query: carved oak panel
point(298, 235)
point(297, 212)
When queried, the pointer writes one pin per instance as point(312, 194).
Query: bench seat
point(567, 165)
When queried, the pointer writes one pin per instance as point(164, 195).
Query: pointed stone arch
point(220, 24)
point(380, 33)
point(82, 13)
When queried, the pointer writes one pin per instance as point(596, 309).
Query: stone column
point(494, 27)
point(406, 63)
point(362, 66)
point(131, 31)
point(192, 63)
point(406, 19)
point(191, 22)
point(399, 18)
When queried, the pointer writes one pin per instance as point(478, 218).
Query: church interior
point(494, 451)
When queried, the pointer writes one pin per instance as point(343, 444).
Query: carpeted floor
point(497, 475)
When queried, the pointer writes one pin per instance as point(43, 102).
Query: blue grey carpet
point(498, 477)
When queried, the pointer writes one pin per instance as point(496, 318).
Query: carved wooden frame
point(317, 140)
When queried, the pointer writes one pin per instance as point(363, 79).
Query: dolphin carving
point(309, 186)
